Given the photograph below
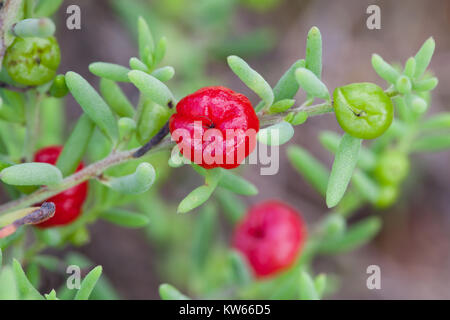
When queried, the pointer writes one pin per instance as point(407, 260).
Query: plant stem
point(314, 110)
point(91, 171)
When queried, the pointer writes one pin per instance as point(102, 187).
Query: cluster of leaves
point(376, 172)
point(15, 284)
point(212, 24)
point(112, 130)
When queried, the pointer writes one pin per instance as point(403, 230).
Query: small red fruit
point(215, 127)
point(271, 236)
point(68, 203)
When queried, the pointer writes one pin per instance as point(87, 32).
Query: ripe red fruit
point(270, 236)
point(68, 203)
point(215, 127)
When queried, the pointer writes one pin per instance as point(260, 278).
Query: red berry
point(220, 127)
point(68, 203)
point(270, 236)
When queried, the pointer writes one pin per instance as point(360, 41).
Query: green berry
point(363, 110)
point(387, 196)
point(392, 167)
point(33, 61)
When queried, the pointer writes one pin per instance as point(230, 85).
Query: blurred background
point(414, 244)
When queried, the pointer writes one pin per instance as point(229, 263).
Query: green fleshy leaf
point(384, 69)
point(152, 88)
point(48, 262)
point(203, 236)
point(168, 292)
point(233, 207)
point(195, 199)
point(252, 79)
point(26, 289)
point(287, 87)
point(52, 122)
point(116, 99)
point(440, 121)
point(241, 272)
point(46, 8)
point(201, 194)
point(145, 40)
point(403, 85)
point(314, 52)
point(416, 103)
point(281, 106)
point(31, 174)
point(164, 74)
point(432, 143)
point(356, 236)
point(426, 84)
point(160, 50)
point(333, 226)
point(306, 287)
point(51, 295)
point(33, 273)
point(277, 134)
point(135, 183)
point(125, 218)
point(42, 28)
point(127, 127)
point(176, 160)
point(310, 168)
point(110, 71)
point(330, 140)
point(366, 186)
point(311, 84)
point(11, 114)
point(76, 146)
point(94, 106)
point(297, 118)
point(237, 184)
point(8, 285)
point(320, 283)
point(423, 57)
point(137, 64)
point(88, 284)
point(403, 111)
point(410, 68)
point(344, 164)
point(152, 118)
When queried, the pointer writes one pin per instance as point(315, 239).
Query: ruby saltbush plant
point(127, 158)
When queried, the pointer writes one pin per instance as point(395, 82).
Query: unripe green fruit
point(33, 61)
point(363, 110)
point(387, 196)
point(392, 167)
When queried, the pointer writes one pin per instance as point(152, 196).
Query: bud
point(33, 61)
point(392, 167)
point(387, 196)
point(59, 88)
